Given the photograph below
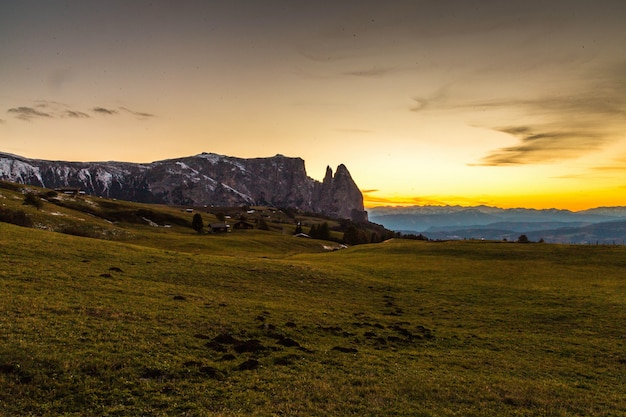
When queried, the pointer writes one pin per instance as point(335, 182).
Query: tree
point(197, 223)
point(323, 231)
point(263, 225)
point(355, 236)
point(298, 228)
point(523, 239)
point(32, 199)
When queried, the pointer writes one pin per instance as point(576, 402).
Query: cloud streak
point(617, 165)
point(76, 114)
point(138, 114)
point(27, 113)
point(542, 146)
point(551, 127)
point(372, 200)
point(104, 111)
point(44, 109)
point(437, 99)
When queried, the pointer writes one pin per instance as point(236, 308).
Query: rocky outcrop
point(339, 195)
point(205, 179)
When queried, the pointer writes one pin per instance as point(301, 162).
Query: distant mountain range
point(605, 225)
point(204, 179)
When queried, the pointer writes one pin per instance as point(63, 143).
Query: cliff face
point(339, 194)
point(205, 179)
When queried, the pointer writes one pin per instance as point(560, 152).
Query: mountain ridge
point(596, 225)
point(203, 179)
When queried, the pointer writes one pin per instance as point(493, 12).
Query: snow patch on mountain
point(187, 167)
point(17, 170)
point(85, 176)
point(105, 179)
point(242, 195)
point(211, 157)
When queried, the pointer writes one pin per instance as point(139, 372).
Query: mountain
point(423, 218)
point(612, 232)
point(599, 225)
point(205, 179)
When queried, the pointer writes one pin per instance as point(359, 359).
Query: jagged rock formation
point(205, 179)
point(338, 193)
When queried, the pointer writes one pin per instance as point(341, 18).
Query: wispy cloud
point(437, 99)
point(76, 114)
point(539, 145)
point(56, 110)
point(138, 114)
point(46, 109)
point(105, 111)
point(27, 113)
point(372, 200)
point(557, 128)
point(617, 165)
point(553, 126)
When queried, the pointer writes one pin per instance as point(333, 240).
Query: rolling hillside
point(164, 321)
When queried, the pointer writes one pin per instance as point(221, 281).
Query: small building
point(241, 225)
point(70, 190)
point(219, 227)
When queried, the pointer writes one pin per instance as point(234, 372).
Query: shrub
point(17, 217)
point(32, 199)
point(79, 230)
point(11, 186)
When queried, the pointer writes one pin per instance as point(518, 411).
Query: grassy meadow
point(159, 322)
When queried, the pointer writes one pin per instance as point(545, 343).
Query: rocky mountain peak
point(339, 194)
point(204, 179)
point(328, 177)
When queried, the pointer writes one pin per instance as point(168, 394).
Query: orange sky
point(510, 104)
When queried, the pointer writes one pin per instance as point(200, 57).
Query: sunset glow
point(509, 104)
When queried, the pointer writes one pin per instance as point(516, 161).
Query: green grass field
point(169, 322)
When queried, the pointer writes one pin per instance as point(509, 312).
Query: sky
point(503, 103)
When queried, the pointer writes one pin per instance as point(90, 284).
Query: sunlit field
point(170, 322)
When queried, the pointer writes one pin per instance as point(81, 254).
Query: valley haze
point(605, 225)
